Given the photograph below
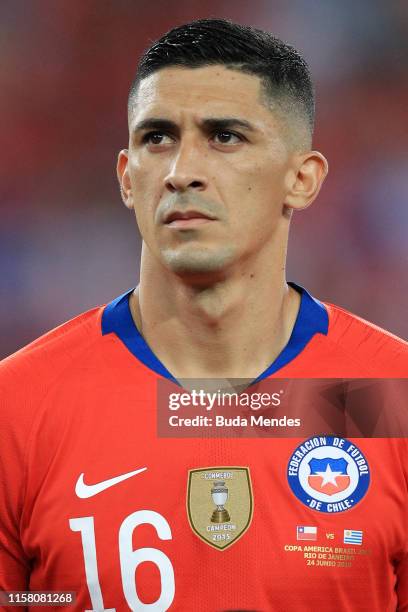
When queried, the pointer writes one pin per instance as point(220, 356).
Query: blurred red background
point(66, 241)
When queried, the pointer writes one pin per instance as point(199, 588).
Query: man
point(219, 157)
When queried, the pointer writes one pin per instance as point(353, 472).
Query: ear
point(122, 171)
point(311, 170)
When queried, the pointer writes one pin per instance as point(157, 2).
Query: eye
point(227, 138)
point(156, 138)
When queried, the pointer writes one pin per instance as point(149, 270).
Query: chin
point(201, 262)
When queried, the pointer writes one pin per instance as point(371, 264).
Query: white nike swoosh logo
point(83, 490)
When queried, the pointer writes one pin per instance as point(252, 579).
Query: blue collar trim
point(312, 319)
point(118, 319)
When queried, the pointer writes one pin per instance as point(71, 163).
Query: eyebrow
point(155, 123)
point(224, 123)
point(209, 124)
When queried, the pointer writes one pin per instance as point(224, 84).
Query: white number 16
point(129, 560)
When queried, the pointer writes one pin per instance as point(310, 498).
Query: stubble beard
point(198, 261)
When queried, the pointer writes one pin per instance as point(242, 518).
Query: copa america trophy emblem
point(219, 494)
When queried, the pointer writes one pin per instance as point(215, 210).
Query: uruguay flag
point(352, 536)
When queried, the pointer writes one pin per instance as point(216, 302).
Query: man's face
point(207, 170)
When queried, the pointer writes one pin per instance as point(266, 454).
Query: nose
point(187, 171)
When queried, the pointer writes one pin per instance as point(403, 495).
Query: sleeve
point(402, 582)
point(15, 424)
point(401, 568)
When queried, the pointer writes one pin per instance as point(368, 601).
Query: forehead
point(202, 91)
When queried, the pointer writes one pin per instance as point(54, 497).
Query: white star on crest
point(328, 476)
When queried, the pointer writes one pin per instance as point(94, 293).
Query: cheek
point(139, 176)
point(261, 173)
point(145, 185)
point(258, 203)
point(263, 189)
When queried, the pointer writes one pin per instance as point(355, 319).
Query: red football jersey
point(94, 501)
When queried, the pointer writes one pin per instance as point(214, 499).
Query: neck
point(233, 327)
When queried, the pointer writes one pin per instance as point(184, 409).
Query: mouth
point(187, 218)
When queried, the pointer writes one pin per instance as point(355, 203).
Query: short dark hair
point(283, 71)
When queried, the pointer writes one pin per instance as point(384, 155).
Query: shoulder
point(33, 368)
point(380, 352)
point(27, 380)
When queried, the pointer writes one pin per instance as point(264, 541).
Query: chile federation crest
point(328, 474)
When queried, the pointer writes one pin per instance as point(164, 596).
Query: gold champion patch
point(219, 504)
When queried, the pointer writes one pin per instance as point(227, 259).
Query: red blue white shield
point(328, 475)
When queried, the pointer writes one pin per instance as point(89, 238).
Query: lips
point(186, 215)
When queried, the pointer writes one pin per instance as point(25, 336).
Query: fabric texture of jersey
point(93, 501)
